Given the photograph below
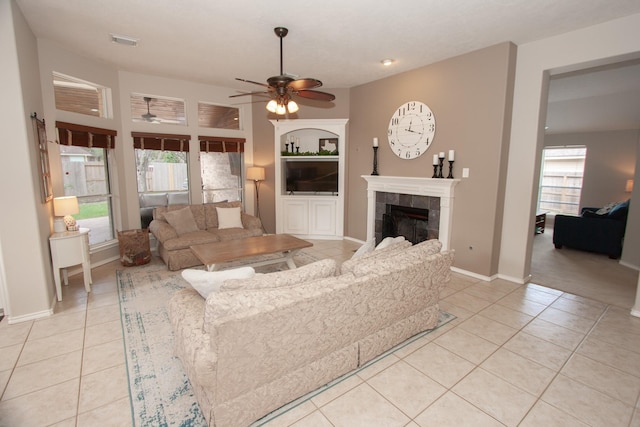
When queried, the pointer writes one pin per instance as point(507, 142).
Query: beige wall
point(611, 160)
point(26, 278)
point(470, 98)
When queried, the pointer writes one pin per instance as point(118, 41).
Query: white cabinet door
point(322, 217)
point(296, 216)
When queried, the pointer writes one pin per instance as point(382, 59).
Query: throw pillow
point(387, 241)
point(605, 209)
point(229, 218)
point(206, 282)
point(364, 249)
point(619, 211)
point(181, 220)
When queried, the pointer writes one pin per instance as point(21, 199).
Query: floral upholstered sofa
point(258, 343)
point(177, 227)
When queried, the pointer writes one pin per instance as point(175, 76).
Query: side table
point(70, 248)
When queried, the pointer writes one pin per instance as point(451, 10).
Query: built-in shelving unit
point(310, 173)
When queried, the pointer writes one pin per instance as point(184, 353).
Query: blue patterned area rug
point(159, 389)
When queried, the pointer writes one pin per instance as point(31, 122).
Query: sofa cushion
point(206, 282)
point(364, 249)
point(619, 211)
point(228, 217)
point(373, 256)
point(402, 256)
point(182, 220)
point(306, 273)
point(388, 241)
point(189, 239)
point(211, 215)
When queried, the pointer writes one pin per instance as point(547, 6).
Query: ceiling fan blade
point(304, 84)
point(249, 93)
point(316, 94)
point(251, 81)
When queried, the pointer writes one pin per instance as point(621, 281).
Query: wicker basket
point(134, 247)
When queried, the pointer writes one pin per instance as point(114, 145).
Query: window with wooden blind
point(161, 162)
point(85, 154)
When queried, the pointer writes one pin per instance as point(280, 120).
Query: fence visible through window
point(561, 180)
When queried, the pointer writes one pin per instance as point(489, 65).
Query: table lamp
point(65, 207)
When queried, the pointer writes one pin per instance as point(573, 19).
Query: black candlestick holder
point(287, 146)
point(435, 171)
point(450, 176)
point(375, 161)
point(297, 149)
point(440, 167)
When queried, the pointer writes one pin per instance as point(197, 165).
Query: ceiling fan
point(283, 87)
point(148, 116)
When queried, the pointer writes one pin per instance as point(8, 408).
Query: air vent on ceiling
point(125, 40)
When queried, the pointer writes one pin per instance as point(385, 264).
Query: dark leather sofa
point(594, 232)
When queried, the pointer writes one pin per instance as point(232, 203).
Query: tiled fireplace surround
point(434, 194)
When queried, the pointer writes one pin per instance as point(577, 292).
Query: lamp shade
point(65, 206)
point(255, 173)
point(629, 187)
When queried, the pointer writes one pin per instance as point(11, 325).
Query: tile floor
point(515, 356)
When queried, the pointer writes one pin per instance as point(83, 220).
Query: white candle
point(298, 142)
point(435, 159)
point(375, 142)
point(442, 154)
point(452, 155)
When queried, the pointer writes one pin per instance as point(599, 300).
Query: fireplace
point(432, 194)
point(412, 223)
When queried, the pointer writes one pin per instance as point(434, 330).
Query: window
point(155, 109)
point(216, 116)
point(80, 96)
point(221, 163)
point(561, 179)
point(85, 154)
point(161, 162)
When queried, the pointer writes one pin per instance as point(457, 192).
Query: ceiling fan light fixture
point(292, 107)
point(272, 106)
point(281, 109)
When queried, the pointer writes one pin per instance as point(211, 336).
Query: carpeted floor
point(590, 275)
point(159, 389)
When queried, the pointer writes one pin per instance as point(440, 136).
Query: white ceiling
point(340, 42)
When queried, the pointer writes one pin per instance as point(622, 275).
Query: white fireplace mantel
point(433, 187)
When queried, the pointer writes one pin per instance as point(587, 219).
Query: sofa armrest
point(162, 230)
point(601, 234)
point(250, 221)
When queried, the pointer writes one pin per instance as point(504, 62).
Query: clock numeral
point(407, 155)
point(418, 152)
point(395, 121)
point(432, 127)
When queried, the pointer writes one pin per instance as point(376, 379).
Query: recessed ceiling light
point(125, 40)
point(387, 62)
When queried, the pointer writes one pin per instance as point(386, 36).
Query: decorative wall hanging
point(40, 133)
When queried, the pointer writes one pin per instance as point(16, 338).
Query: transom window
point(80, 96)
point(156, 109)
point(217, 116)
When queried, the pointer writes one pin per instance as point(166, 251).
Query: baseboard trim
point(31, 316)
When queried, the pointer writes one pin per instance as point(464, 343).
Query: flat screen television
point(317, 177)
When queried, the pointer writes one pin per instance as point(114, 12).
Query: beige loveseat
point(259, 343)
point(176, 232)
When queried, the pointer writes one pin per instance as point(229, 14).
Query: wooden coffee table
point(214, 254)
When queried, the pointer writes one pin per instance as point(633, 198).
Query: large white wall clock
point(411, 130)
